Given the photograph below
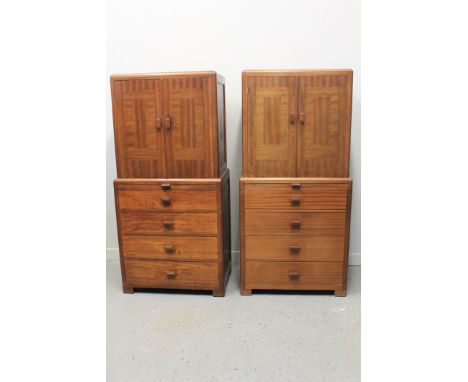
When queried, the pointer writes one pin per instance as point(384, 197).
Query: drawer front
point(293, 275)
point(296, 196)
point(177, 197)
point(167, 223)
point(167, 274)
point(295, 223)
point(295, 248)
point(170, 247)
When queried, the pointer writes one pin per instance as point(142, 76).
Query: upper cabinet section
point(296, 123)
point(169, 125)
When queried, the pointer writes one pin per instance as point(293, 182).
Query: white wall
point(229, 36)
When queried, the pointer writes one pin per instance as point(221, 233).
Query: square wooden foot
point(128, 290)
point(246, 292)
point(340, 293)
point(219, 292)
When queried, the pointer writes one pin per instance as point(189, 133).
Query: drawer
point(167, 274)
point(293, 275)
point(168, 223)
point(172, 197)
point(295, 223)
point(294, 248)
point(296, 196)
point(170, 247)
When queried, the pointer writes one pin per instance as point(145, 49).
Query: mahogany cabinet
point(295, 194)
point(174, 233)
point(296, 123)
point(294, 233)
point(169, 125)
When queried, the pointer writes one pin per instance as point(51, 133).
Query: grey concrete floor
point(264, 337)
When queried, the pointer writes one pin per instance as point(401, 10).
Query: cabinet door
point(271, 126)
point(324, 106)
point(189, 108)
point(138, 135)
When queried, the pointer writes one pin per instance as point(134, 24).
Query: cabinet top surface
point(128, 76)
point(302, 72)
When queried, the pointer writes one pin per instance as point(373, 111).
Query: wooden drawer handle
point(294, 275)
point(295, 224)
point(158, 124)
point(294, 249)
point(292, 118)
point(166, 201)
point(296, 186)
point(295, 201)
point(166, 186)
point(169, 249)
point(171, 274)
point(168, 225)
point(301, 119)
point(167, 123)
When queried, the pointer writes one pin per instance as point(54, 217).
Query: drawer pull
point(295, 201)
point(169, 249)
point(167, 123)
point(166, 186)
point(294, 275)
point(166, 201)
point(301, 119)
point(171, 274)
point(295, 224)
point(158, 124)
point(294, 249)
point(168, 225)
point(292, 118)
point(296, 186)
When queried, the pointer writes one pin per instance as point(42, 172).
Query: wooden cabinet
point(174, 233)
point(169, 125)
point(295, 194)
point(296, 123)
point(172, 192)
point(299, 245)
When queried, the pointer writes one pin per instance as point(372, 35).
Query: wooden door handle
point(167, 123)
point(158, 124)
point(169, 249)
point(295, 224)
point(166, 201)
point(296, 186)
point(171, 274)
point(292, 118)
point(301, 119)
point(168, 225)
point(294, 249)
point(166, 186)
point(294, 275)
point(295, 201)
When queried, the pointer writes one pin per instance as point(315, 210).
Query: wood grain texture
point(168, 223)
point(294, 248)
point(179, 198)
point(171, 248)
point(166, 125)
point(293, 275)
point(171, 274)
point(260, 222)
point(286, 196)
point(270, 144)
point(296, 123)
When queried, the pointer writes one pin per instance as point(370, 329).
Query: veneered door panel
point(188, 123)
point(324, 107)
point(138, 135)
point(271, 126)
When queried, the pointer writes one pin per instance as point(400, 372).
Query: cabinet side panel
point(221, 122)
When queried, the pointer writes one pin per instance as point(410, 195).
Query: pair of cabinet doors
point(296, 124)
point(169, 125)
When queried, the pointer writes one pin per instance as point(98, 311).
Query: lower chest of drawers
point(294, 233)
point(174, 233)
